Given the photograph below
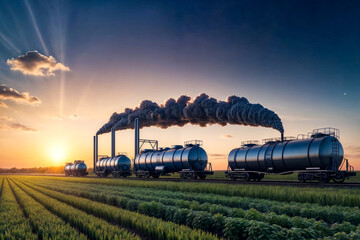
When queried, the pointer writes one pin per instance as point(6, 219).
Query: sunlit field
point(33, 207)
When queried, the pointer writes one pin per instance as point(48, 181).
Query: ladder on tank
point(335, 154)
point(268, 157)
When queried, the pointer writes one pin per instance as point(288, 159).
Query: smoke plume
point(202, 111)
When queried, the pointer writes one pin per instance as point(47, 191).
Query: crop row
point(334, 214)
point(148, 226)
point(93, 227)
point(322, 196)
point(13, 223)
point(209, 217)
point(1, 184)
point(44, 223)
point(252, 229)
point(122, 199)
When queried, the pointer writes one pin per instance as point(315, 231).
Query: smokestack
point(112, 142)
point(94, 153)
point(137, 136)
point(282, 136)
point(96, 149)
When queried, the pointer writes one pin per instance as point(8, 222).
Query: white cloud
point(12, 94)
point(36, 64)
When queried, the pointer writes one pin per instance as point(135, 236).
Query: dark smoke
point(202, 111)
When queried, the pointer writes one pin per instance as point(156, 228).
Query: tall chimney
point(94, 154)
point(96, 149)
point(112, 142)
point(282, 136)
point(137, 136)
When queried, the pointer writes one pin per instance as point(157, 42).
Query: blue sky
point(298, 58)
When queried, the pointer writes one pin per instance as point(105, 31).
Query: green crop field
point(43, 207)
point(220, 174)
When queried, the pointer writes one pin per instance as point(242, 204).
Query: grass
point(323, 196)
point(98, 208)
point(205, 216)
point(13, 223)
point(220, 174)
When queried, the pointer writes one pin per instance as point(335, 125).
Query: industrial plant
point(315, 156)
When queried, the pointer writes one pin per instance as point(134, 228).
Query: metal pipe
point(112, 142)
point(96, 149)
point(94, 154)
point(137, 137)
point(282, 136)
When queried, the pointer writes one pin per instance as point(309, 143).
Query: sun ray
point(36, 27)
point(9, 43)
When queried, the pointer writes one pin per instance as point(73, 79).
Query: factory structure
point(316, 156)
point(190, 160)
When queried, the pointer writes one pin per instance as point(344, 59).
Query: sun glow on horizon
point(57, 154)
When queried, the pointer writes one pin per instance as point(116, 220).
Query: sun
point(57, 154)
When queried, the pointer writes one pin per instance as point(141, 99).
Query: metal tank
point(191, 157)
point(289, 155)
point(172, 160)
point(78, 168)
point(119, 164)
point(316, 156)
point(67, 168)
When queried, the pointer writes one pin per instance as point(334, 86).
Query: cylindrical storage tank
point(67, 168)
point(173, 160)
point(80, 167)
point(108, 164)
point(102, 164)
point(112, 164)
point(73, 168)
point(122, 163)
point(98, 167)
point(287, 156)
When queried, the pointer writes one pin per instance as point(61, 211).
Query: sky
point(66, 66)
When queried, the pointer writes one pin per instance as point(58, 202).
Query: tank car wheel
point(339, 178)
point(156, 176)
point(245, 177)
point(202, 176)
point(194, 176)
point(233, 178)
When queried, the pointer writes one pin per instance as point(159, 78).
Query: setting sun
point(57, 154)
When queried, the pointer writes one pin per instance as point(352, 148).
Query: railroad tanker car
point(118, 166)
point(318, 155)
point(78, 168)
point(190, 161)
